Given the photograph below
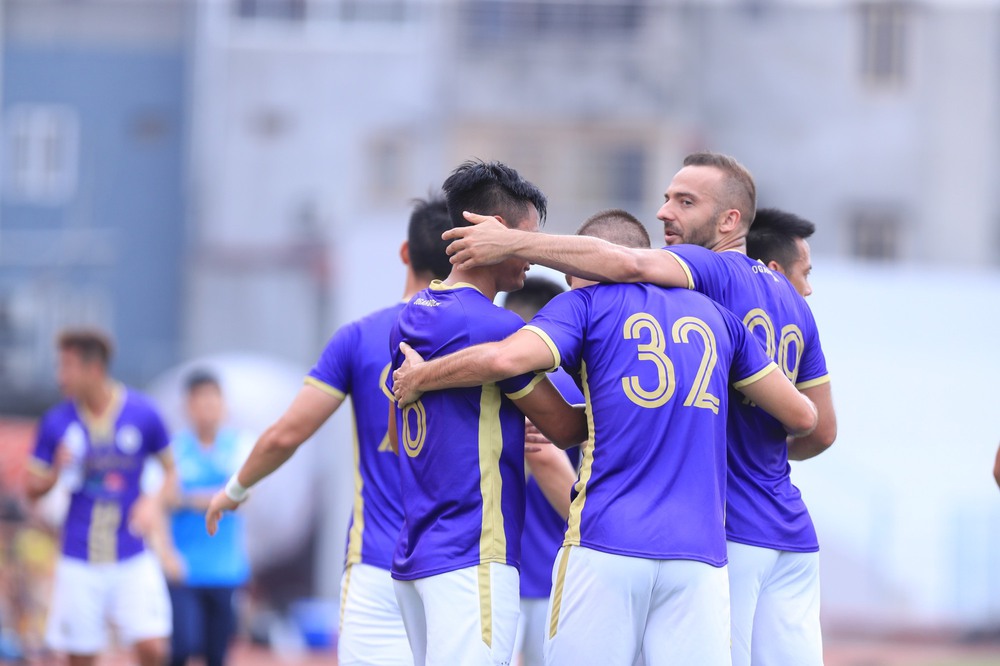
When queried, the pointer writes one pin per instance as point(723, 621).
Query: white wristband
point(235, 490)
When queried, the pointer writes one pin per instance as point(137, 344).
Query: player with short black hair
point(778, 239)
point(355, 362)
point(455, 568)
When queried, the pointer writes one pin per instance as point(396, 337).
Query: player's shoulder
point(138, 404)
point(380, 319)
point(62, 412)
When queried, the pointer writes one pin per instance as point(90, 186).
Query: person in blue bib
point(205, 572)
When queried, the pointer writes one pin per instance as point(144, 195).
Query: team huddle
point(680, 381)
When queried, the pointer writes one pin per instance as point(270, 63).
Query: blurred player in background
point(642, 570)
point(455, 568)
point(778, 239)
point(96, 443)
point(773, 550)
point(355, 362)
point(204, 573)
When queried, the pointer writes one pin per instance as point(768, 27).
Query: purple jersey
point(763, 507)
point(355, 362)
point(544, 528)
point(461, 451)
point(656, 365)
point(110, 451)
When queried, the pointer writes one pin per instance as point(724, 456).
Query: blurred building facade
point(92, 207)
point(197, 174)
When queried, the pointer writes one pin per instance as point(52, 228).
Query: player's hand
point(173, 568)
point(534, 440)
point(404, 383)
point(220, 502)
point(63, 457)
point(144, 516)
point(485, 243)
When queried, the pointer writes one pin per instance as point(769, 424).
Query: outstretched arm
point(310, 409)
point(488, 242)
point(809, 446)
point(779, 398)
point(521, 352)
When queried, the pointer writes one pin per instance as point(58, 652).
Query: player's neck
point(206, 435)
point(480, 278)
point(734, 243)
point(415, 283)
point(97, 400)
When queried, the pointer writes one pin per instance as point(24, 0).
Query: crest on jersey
point(129, 439)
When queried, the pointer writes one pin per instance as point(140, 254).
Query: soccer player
point(355, 362)
point(642, 570)
point(544, 526)
point(204, 573)
point(773, 550)
point(778, 239)
point(96, 442)
point(455, 568)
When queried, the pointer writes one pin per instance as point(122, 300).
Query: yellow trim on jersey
point(756, 377)
point(102, 538)
point(102, 428)
point(343, 598)
point(485, 603)
point(493, 538)
point(548, 343)
point(817, 381)
point(557, 592)
point(324, 387)
point(586, 468)
point(685, 267)
point(439, 285)
point(356, 535)
point(517, 395)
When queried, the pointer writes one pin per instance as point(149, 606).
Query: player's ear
point(730, 222)
point(404, 253)
point(775, 266)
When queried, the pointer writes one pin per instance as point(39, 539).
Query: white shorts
point(531, 628)
point(371, 626)
point(467, 616)
point(775, 606)
point(613, 609)
point(131, 595)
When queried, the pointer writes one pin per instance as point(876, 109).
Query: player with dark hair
point(204, 573)
point(477, 185)
point(455, 568)
point(772, 544)
point(778, 240)
point(355, 362)
point(96, 443)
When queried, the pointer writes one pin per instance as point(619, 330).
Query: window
point(41, 158)
point(875, 235)
point(883, 45)
point(529, 20)
point(270, 9)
